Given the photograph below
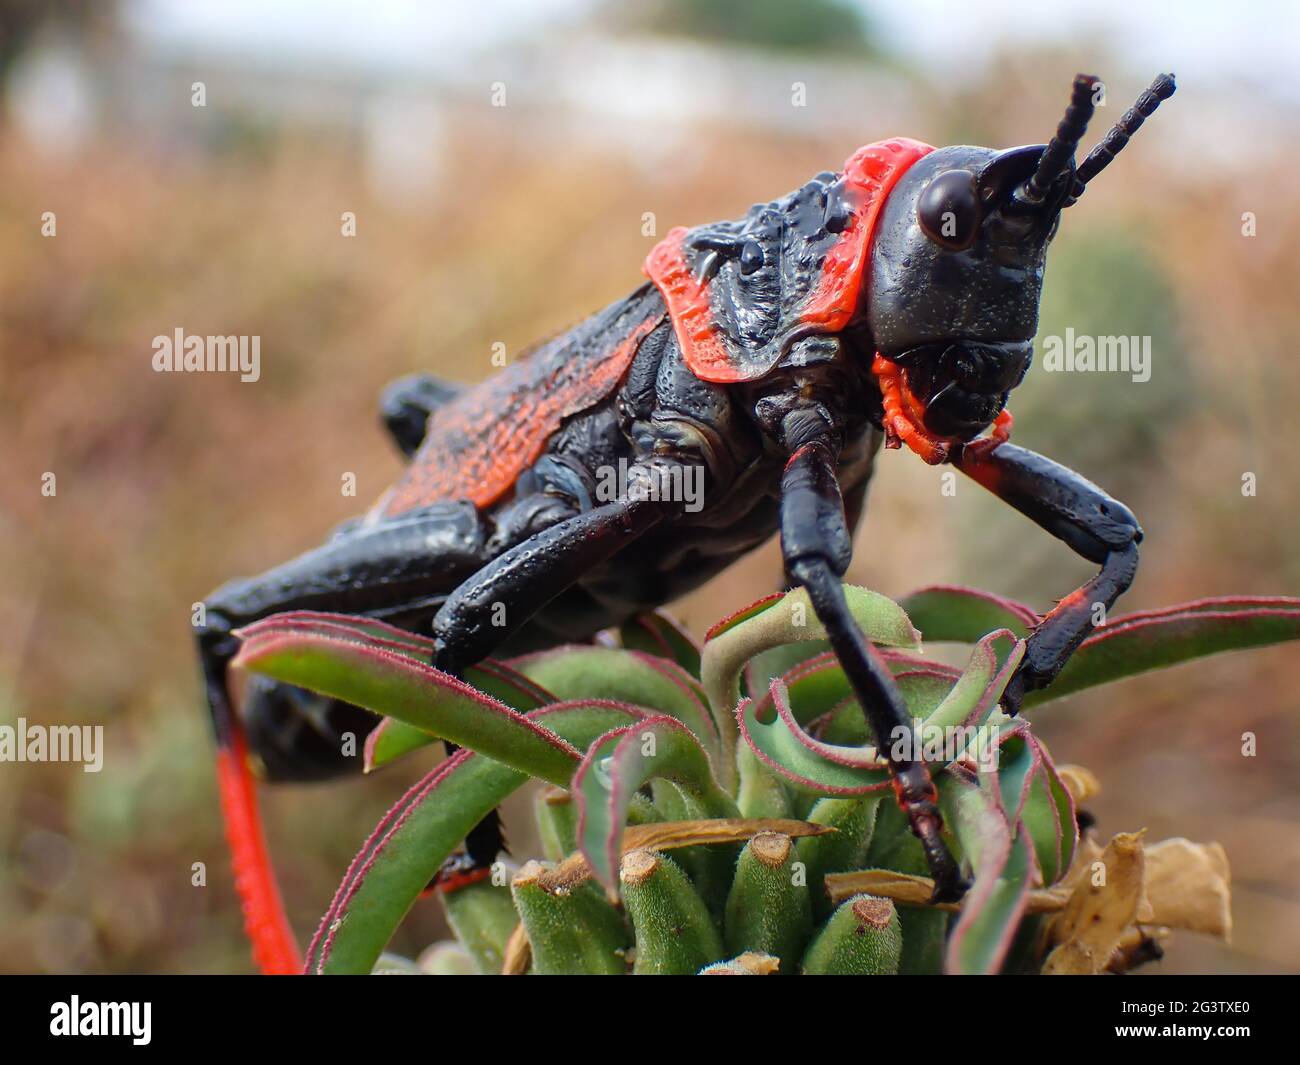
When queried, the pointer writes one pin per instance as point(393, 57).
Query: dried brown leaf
point(748, 964)
point(1098, 915)
point(1189, 885)
point(1080, 782)
point(518, 955)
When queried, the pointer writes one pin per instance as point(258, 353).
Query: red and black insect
point(894, 302)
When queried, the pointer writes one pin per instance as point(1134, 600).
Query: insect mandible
point(894, 302)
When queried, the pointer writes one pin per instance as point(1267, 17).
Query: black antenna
point(1113, 143)
point(1060, 149)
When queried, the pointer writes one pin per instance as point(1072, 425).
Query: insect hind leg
point(393, 569)
point(300, 735)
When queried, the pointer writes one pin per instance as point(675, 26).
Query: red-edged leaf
point(618, 766)
point(415, 837)
point(774, 622)
point(658, 634)
point(1153, 639)
point(391, 739)
point(810, 765)
point(992, 908)
point(360, 669)
point(644, 680)
point(775, 733)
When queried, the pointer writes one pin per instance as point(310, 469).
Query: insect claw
point(1013, 695)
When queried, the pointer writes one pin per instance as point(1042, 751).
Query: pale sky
point(1251, 44)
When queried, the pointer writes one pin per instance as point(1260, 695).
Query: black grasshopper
point(893, 302)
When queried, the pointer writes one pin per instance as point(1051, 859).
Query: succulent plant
point(720, 810)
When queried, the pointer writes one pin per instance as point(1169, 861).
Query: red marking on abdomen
point(479, 443)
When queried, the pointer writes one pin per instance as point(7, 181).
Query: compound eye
point(948, 210)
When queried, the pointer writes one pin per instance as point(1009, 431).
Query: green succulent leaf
point(391, 739)
point(482, 916)
point(774, 622)
point(760, 670)
point(415, 837)
point(854, 821)
point(759, 791)
point(862, 938)
point(675, 933)
point(963, 615)
point(923, 688)
point(775, 733)
point(359, 669)
point(1001, 860)
point(573, 931)
point(658, 634)
point(802, 761)
point(769, 906)
point(925, 930)
point(1153, 639)
point(619, 765)
point(556, 815)
point(1067, 822)
point(655, 684)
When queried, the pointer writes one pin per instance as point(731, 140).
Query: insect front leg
point(1076, 511)
point(817, 547)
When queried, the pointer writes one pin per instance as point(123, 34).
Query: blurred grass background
point(478, 224)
